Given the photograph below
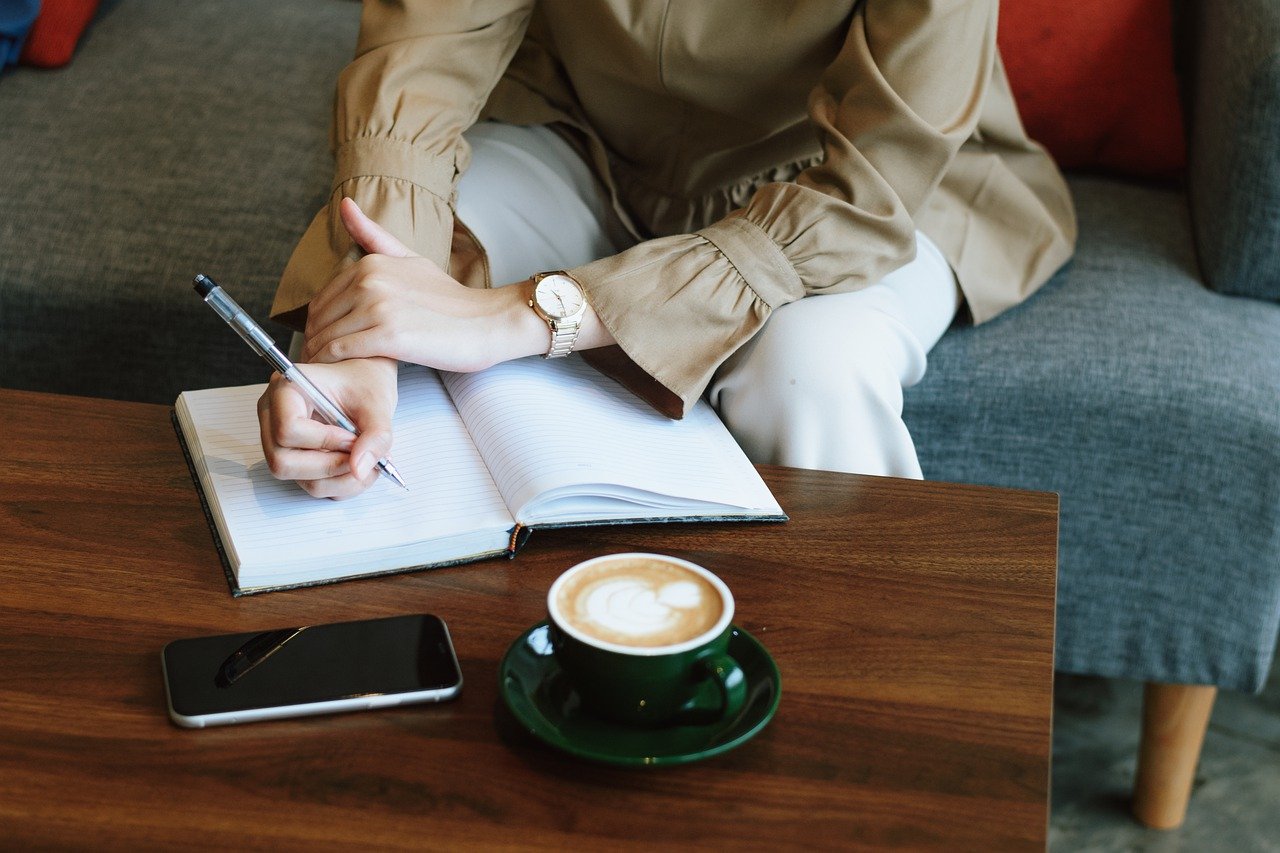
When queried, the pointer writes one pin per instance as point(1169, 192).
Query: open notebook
point(487, 456)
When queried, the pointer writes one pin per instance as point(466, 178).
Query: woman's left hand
point(393, 303)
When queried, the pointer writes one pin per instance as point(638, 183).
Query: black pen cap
point(204, 285)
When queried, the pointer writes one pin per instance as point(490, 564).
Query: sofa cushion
point(1152, 405)
point(152, 157)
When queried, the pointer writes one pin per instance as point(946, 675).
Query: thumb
point(373, 443)
point(369, 235)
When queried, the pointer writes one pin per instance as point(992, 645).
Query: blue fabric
point(1151, 405)
point(16, 17)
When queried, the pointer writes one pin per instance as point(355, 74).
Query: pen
point(264, 346)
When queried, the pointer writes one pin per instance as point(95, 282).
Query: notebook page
point(547, 426)
point(266, 521)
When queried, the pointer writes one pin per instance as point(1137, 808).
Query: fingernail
point(364, 464)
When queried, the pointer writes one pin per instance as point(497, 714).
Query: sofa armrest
point(1234, 157)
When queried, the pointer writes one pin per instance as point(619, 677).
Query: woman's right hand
point(325, 460)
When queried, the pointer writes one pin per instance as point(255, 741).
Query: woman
point(695, 171)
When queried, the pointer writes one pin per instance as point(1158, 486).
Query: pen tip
point(204, 285)
point(389, 471)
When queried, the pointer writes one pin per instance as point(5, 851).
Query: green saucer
point(546, 705)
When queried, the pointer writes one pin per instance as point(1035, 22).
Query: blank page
point(555, 428)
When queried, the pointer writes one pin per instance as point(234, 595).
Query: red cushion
point(56, 32)
point(1094, 82)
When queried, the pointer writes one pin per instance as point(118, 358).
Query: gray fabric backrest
point(1230, 59)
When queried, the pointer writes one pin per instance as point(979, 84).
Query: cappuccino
point(638, 601)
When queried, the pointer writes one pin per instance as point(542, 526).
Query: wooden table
point(912, 623)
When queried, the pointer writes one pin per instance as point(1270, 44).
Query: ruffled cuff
point(388, 157)
point(372, 171)
point(832, 246)
point(679, 306)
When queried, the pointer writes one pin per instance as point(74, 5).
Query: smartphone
point(314, 669)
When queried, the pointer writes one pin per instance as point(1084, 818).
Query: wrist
point(384, 365)
point(380, 371)
point(519, 331)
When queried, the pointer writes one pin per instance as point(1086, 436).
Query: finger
point(369, 235)
point(334, 346)
point(338, 488)
point(288, 423)
point(341, 487)
point(334, 299)
point(365, 459)
point(320, 336)
point(374, 442)
point(294, 445)
point(278, 405)
point(311, 434)
point(282, 400)
point(308, 466)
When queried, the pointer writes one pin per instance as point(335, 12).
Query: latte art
point(640, 602)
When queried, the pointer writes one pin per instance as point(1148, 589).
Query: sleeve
point(892, 110)
point(422, 72)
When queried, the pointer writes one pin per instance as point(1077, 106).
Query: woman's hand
point(395, 304)
point(327, 461)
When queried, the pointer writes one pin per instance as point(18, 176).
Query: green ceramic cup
point(601, 613)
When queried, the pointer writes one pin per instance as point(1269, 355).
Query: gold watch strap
point(563, 336)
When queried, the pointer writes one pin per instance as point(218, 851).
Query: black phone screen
point(309, 664)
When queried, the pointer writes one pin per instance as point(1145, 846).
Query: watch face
point(559, 296)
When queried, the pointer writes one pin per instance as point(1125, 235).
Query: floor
point(1235, 804)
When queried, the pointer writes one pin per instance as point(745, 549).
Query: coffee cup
point(644, 639)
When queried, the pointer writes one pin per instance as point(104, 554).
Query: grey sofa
point(191, 137)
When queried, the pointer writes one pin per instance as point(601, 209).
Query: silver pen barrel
point(228, 309)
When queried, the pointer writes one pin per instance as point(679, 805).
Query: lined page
point(268, 525)
point(554, 427)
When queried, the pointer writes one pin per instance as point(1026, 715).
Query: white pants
point(820, 386)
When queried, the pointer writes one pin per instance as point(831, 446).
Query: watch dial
point(558, 296)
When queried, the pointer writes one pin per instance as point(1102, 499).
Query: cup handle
point(731, 683)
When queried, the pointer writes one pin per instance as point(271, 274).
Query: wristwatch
point(559, 300)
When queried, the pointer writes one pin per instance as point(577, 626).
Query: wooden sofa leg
point(1174, 720)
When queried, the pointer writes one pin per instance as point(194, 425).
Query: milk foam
point(632, 606)
point(640, 602)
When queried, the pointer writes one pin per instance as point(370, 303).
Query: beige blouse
point(760, 151)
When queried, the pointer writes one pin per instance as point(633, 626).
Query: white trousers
point(820, 386)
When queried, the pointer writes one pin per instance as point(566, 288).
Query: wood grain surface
point(912, 623)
